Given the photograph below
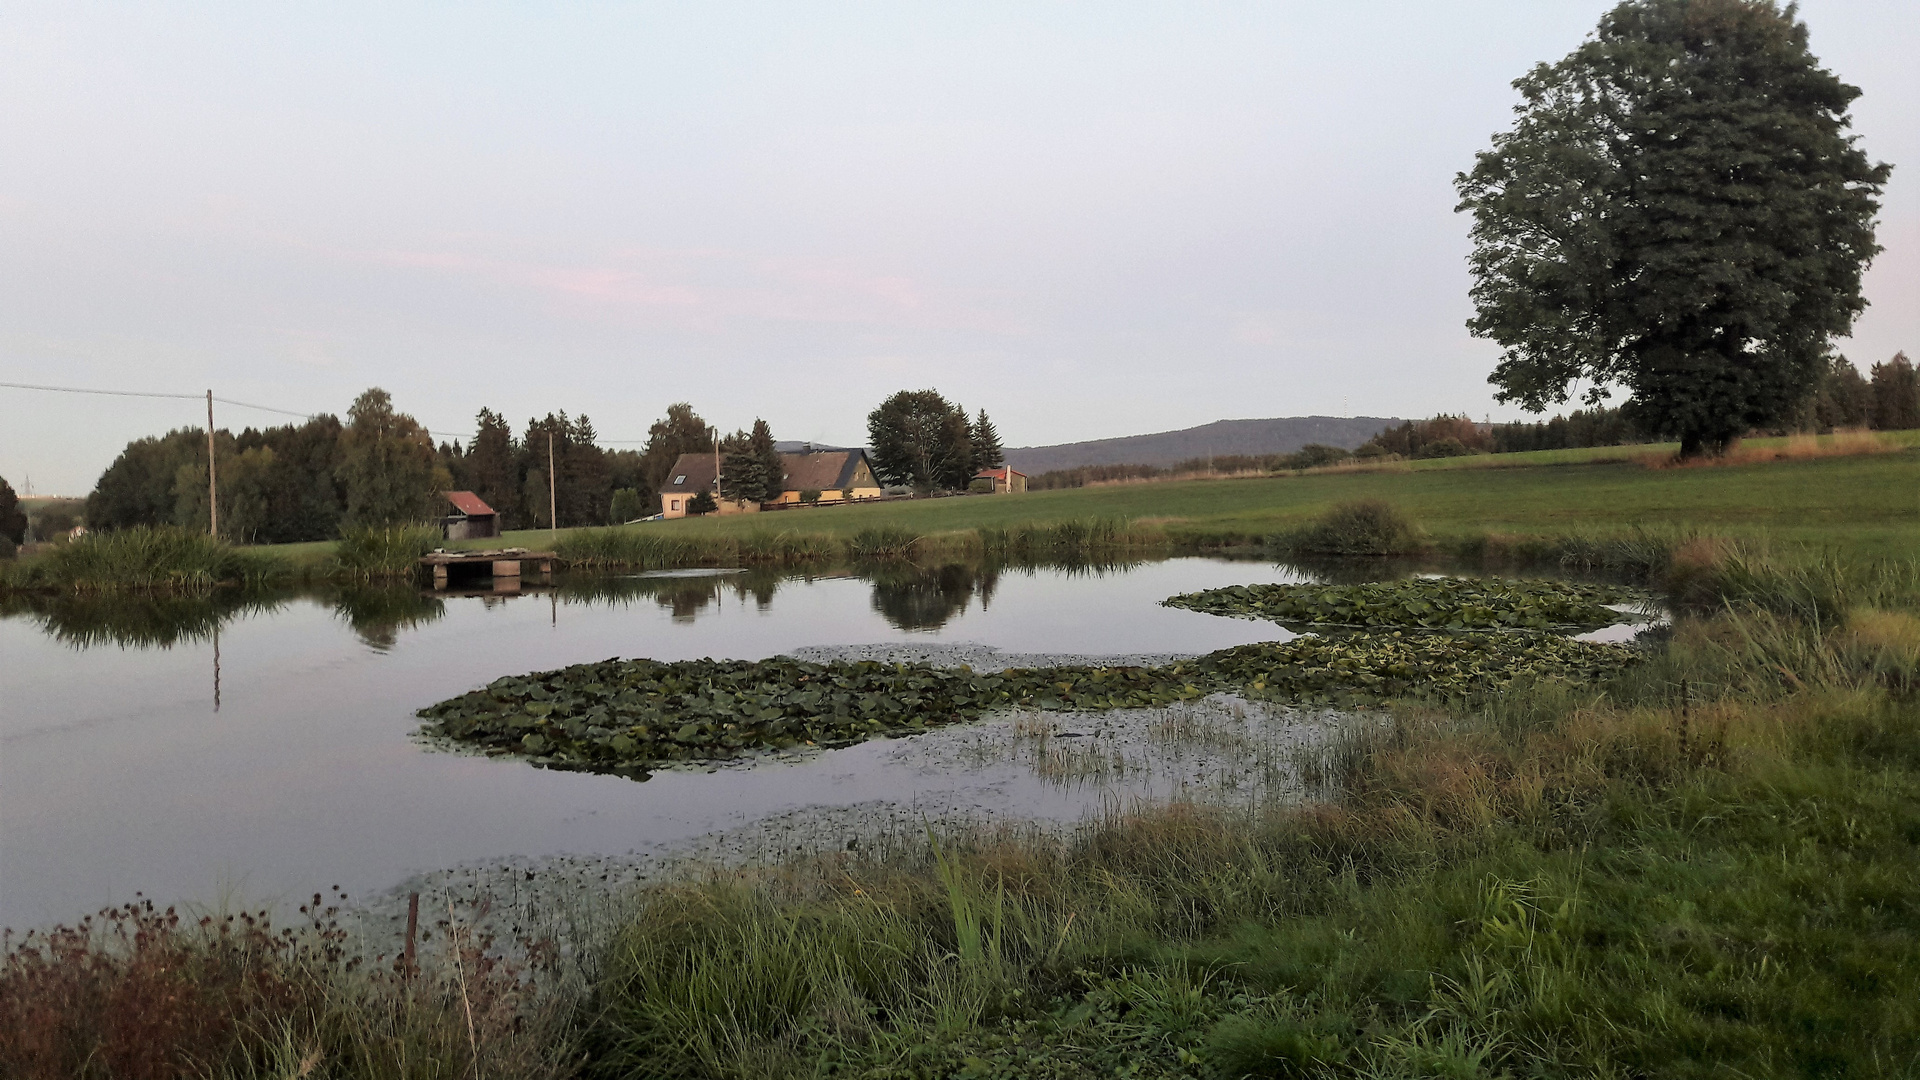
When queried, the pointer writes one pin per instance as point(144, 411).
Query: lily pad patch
point(1424, 604)
point(623, 716)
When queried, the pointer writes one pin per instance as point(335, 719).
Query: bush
point(628, 505)
point(1444, 448)
point(702, 504)
point(1365, 527)
point(810, 496)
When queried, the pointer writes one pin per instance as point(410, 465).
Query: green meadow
point(1866, 506)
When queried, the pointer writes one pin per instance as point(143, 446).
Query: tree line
point(381, 467)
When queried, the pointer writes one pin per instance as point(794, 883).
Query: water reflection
point(909, 596)
point(378, 613)
point(914, 597)
point(140, 620)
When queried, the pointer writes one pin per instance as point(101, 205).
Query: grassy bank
point(170, 560)
point(1865, 506)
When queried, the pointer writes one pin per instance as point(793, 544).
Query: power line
point(199, 397)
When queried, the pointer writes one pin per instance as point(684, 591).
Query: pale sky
point(1090, 219)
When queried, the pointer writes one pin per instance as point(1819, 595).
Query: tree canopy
point(1678, 210)
point(13, 520)
point(921, 440)
point(752, 469)
point(386, 465)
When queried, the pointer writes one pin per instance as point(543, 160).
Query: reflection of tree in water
point(138, 620)
point(1352, 570)
point(924, 597)
point(378, 613)
point(684, 597)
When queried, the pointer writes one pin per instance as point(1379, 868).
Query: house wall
point(833, 495)
point(472, 528)
point(675, 506)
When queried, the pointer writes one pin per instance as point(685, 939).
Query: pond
point(269, 749)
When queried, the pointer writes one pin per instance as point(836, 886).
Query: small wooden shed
point(471, 519)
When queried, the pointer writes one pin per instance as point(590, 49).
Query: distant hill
point(1282, 435)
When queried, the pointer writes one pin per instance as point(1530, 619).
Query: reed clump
point(646, 548)
point(145, 559)
point(390, 551)
point(1361, 527)
point(1074, 538)
point(884, 542)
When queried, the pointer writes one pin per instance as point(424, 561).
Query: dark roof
point(821, 470)
point(469, 504)
point(695, 472)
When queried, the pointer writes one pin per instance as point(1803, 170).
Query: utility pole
point(716, 467)
point(553, 499)
point(213, 489)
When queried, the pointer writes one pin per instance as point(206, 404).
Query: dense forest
point(309, 480)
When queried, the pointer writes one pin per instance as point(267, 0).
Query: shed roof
point(1000, 473)
point(469, 504)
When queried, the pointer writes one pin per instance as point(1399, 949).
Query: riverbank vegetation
point(1702, 862)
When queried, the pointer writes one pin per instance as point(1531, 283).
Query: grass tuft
point(1361, 527)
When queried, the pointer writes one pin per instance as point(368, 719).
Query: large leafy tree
point(681, 431)
point(921, 440)
point(386, 465)
point(1678, 210)
point(13, 520)
point(138, 488)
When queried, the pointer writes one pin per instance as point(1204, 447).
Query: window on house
point(681, 479)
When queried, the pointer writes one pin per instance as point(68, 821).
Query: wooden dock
point(496, 563)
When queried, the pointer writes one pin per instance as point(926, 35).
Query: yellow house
point(838, 476)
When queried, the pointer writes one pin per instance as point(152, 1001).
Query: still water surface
point(121, 770)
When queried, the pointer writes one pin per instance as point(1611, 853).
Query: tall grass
point(136, 993)
point(146, 559)
point(1562, 880)
point(656, 549)
point(392, 551)
point(883, 542)
point(1072, 538)
point(1360, 527)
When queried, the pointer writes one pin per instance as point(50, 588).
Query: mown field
point(1866, 506)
